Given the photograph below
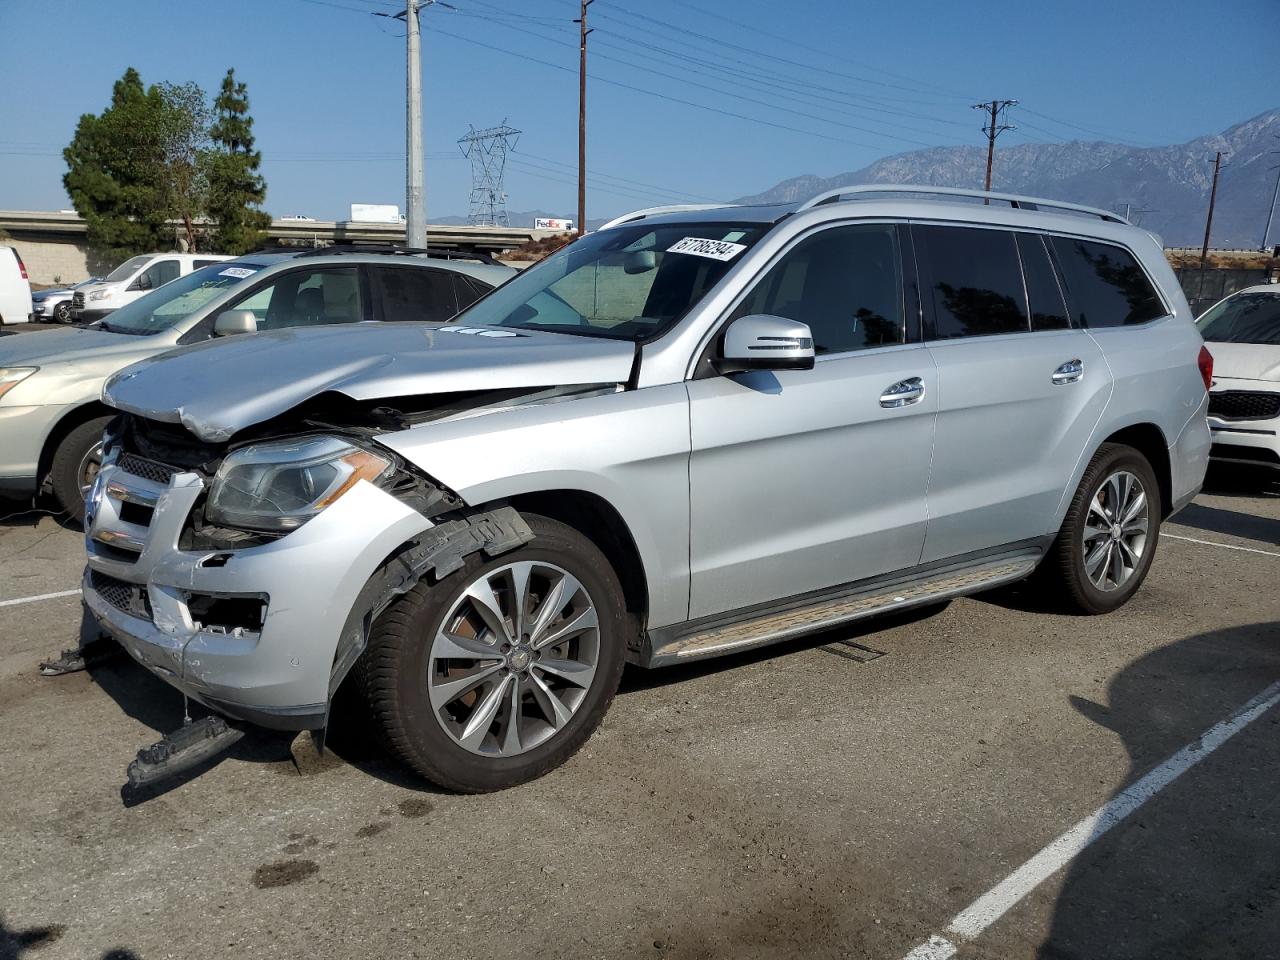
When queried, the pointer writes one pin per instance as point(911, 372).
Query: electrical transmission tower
point(487, 151)
point(997, 111)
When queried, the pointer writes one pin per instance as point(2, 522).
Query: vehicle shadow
point(1239, 480)
point(16, 944)
point(1231, 523)
point(1196, 871)
point(25, 514)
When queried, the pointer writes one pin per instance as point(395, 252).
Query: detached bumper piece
point(189, 745)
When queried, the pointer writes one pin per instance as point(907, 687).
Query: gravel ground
point(813, 800)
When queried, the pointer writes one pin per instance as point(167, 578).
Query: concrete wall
point(46, 260)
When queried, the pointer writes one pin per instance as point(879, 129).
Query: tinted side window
point(160, 273)
point(302, 298)
point(415, 294)
point(197, 264)
point(1048, 311)
point(1105, 285)
point(468, 290)
point(972, 280)
point(845, 283)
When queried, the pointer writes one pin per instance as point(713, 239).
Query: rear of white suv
point(15, 288)
point(1243, 334)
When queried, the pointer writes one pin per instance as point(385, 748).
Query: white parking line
point(997, 901)
point(1225, 546)
point(40, 596)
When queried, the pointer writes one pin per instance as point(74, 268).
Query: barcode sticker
point(713, 249)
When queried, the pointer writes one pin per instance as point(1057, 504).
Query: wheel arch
point(1149, 440)
point(601, 523)
point(71, 419)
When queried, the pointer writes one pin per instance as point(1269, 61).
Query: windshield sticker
point(238, 272)
point(714, 249)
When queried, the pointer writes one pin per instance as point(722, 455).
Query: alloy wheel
point(514, 658)
point(90, 464)
point(1115, 531)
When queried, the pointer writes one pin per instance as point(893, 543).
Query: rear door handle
point(903, 393)
point(1070, 372)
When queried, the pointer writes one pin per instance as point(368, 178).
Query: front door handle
point(1069, 372)
point(903, 392)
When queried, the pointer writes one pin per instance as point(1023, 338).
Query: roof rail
point(435, 252)
point(658, 211)
point(1014, 200)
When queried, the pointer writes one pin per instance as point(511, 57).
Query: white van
point(15, 290)
point(133, 278)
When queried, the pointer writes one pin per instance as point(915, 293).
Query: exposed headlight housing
point(10, 377)
point(99, 294)
point(282, 484)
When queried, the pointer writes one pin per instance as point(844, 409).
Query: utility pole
point(1275, 194)
point(1213, 198)
point(994, 126)
point(415, 198)
point(582, 117)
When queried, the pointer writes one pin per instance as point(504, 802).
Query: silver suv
point(693, 432)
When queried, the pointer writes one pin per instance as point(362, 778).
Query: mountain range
point(1171, 184)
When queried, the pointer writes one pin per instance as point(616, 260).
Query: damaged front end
point(251, 583)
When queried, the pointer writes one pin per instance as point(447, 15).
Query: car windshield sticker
point(714, 249)
point(238, 272)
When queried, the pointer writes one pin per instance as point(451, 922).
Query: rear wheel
point(500, 672)
point(1109, 536)
point(75, 466)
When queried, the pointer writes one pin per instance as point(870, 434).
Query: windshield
point(1244, 318)
point(127, 269)
point(162, 308)
point(627, 283)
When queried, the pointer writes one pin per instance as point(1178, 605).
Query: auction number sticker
point(713, 249)
point(238, 272)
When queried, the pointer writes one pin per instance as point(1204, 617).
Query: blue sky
point(692, 99)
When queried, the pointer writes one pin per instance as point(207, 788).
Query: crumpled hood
point(219, 387)
point(72, 344)
point(1245, 361)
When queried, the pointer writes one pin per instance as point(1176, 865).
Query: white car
point(1243, 334)
point(15, 289)
point(133, 278)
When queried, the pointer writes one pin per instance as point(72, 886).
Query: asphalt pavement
point(864, 793)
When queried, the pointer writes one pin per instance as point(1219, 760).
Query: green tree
point(183, 135)
point(114, 176)
point(236, 189)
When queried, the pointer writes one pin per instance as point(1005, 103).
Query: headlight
point(282, 485)
point(10, 377)
point(99, 294)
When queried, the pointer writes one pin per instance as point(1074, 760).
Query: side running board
point(774, 626)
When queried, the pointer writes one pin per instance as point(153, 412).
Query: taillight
point(1205, 363)
point(22, 267)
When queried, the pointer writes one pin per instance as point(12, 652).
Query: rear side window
point(197, 264)
point(410, 293)
point(1105, 285)
point(972, 280)
point(845, 283)
point(1048, 311)
point(468, 290)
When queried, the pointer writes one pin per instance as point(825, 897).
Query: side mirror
point(231, 322)
point(639, 261)
point(763, 342)
point(141, 282)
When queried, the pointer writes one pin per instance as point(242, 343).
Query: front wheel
point(500, 672)
point(62, 312)
point(75, 466)
point(1109, 536)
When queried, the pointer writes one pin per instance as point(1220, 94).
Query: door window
point(305, 298)
point(197, 264)
point(1105, 285)
point(1048, 310)
point(971, 280)
point(468, 289)
point(845, 283)
point(410, 293)
point(157, 275)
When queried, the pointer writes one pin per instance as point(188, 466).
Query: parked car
point(1243, 332)
point(15, 288)
point(134, 278)
point(55, 304)
point(692, 432)
point(51, 415)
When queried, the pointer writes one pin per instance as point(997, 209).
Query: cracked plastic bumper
point(279, 675)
